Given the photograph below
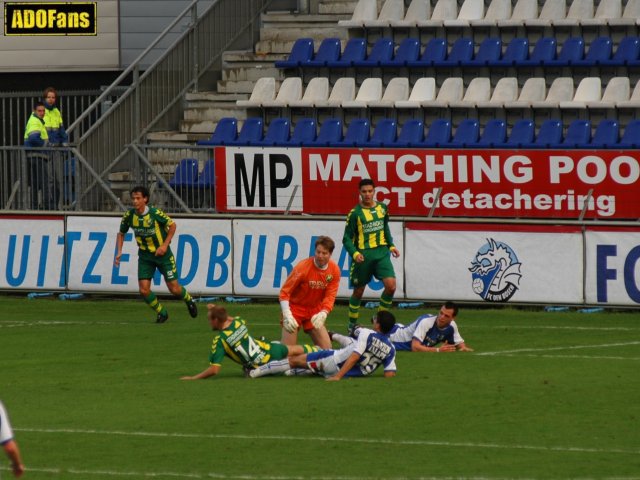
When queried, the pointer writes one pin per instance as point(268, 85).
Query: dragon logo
point(495, 272)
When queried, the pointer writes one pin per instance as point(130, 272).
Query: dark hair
point(449, 305)
point(326, 242)
point(140, 189)
point(216, 311)
point(366, 181)
point(386, 320)
point(38, 104)
point(49, 89)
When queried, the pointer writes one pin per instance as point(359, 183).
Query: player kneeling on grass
point(430, 333)
point(356, 358)
point(235, 342)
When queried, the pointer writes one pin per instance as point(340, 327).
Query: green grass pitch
point(93, 391)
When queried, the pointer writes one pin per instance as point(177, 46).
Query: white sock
point(343, 340)
point(271, 368)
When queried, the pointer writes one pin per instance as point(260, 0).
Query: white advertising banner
point(265, 251)
point(32, 253)
point(494, 264)
point(613, 266)
point(202, 249)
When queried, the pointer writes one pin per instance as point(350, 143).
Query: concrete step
point(339, 7)
point(213, 112)
point(303, 21)
point(251, 72)
point(206, 126)
point(178, 138)
point(242, 86)
point(241, 56)
point(214, 97)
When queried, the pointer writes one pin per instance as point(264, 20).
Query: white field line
point(299, 438)
point(562, 348)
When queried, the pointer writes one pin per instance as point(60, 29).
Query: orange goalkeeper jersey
point(309, 286)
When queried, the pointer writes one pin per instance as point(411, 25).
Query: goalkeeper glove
point(318, 319)
point(288, 322)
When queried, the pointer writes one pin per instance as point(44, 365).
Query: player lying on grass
point(235, 342)
point(357, 358)
point(430, 333)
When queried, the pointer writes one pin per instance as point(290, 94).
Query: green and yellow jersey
point(150, 228)
point(367, 228)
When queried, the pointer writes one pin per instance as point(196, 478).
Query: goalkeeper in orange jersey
point(308, 295)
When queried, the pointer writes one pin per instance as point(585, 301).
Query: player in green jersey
point(368, 240)
point(153, 230)
point(235, 341)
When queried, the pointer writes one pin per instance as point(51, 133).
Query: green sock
point(184, 295)
point(385, 302)
point(354, 310)
point(154, 303)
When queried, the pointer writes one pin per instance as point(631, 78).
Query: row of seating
point(187, 174)
point(478, 94)
point(490, 53)
point(439, 134)
point(499, 13)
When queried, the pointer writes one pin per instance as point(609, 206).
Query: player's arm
point(162, 249)
point(350, 232)
point(13, 452)
point(462, 347)
point(389, 374)
point(119, 244)
point(418, 346)
point(387, 234)
point(209, 372)
point(331, 291)
point(348, 365)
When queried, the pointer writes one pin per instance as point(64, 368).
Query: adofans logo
point(31, 19)
point(495, 272)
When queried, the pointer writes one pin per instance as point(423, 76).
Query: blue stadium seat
point(439, 134)
point(489, 52)
point(381, 53)
point(494, 134)
point(185, 174)
point(517, 51)
point(407, 51)
point(522, 133)
point(607, 134)
point(578, 134)
point(354, 50)
point(226, 131)
point(304, 132)
point(207, 178)
point(434, 51)
point(572, 50)
point(631, 136)
point(461, 52)
point(411, 135)
point(357, 133)
point(301, 53)
point(466, 134)
point(543, 51)
point(549, 135)
point(250, 133)
point(328, 51)
point(599, 52)
point(277, 133)
point(384, 134)
point(330, 133)
point(627, 53)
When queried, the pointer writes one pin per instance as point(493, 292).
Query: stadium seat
point(523, 10)
point(579, 10)
point(617, 90)
point(264, 90)
point(423, 90)
point(365, 10)
point(301, 53)
point(330, 133)
point(551, 10)
point(634, 99)
point(522, 133)
point(533, 90)
point(290, 91)
point(438, 135)
point(631, 136)
point(343, 90)
point(369, 91)
point(185, 174)
point(466, 134)
point(277, 133)
point(599, 52)
point(384, 134)
point(549, 135)
point(578, 135)
point(357, 133)
point(207, 178)
point(304, 133)
point(451, 90)
point(517, 51)
point(561, 90)
point(381, 53)
point(627, 53)
point(607, 134)
point(572, 51)
point(589, 90)
point(629, 17)
point(392, 10)
point(355, 50)
point(506, 90)
point(443, 10)
point(411, 135)
point(494, 134)
point(316, 93)
point(435, 51)
point(408, 51)
point(498, 10)
point(543, 52)
point(489, 52)
point(250, 133)
point(226, 131)
point(397, 90)
point(479, 90)
point(328, 51)
point(418, 10)
point(470, 10)
point(607, 10)
point(461, 52)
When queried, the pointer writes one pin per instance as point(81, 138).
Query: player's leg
point(150, 298)
point(289, 338)
point(359, 276)
point(167, 266)
point(354, 306)
point(384, 271)
point(320, 337)
point(343, 340)
point(294, 350)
